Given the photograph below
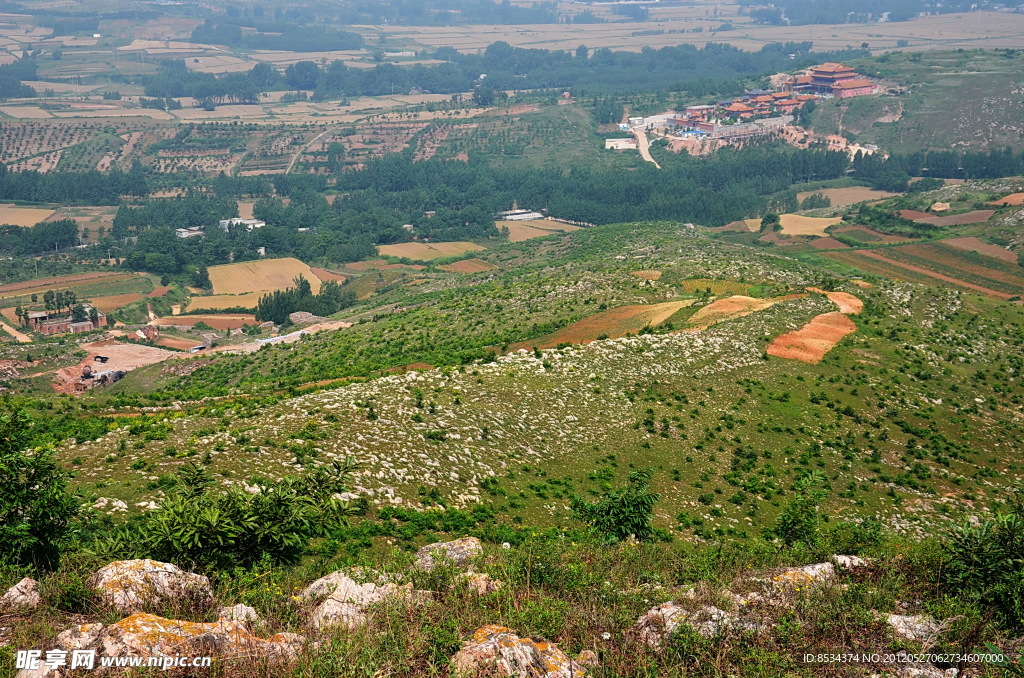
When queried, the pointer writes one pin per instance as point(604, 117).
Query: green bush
point(798, 520)
point(617, 515)
point(986, 563)
point(37, 512)
point(198, 524)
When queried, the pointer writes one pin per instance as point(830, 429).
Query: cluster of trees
point(893, 173)
point(712, 69)
point(277, 305)
point(716, 190)
point(12, 75)
point(192, 209)
point(288, 37)
point(46, 236)
point(92, 187)
point(804, 12)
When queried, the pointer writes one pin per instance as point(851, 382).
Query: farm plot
point(223, 301)
point(866, 235)
point(265, 275)
point(1014, 199)
point(382, 265)
point(115, 301)
point(728, 308)
point(611, 324)
point(712, 286)
point(972, 244)
point(968, 267)
point(811, 342)
point(892, 264)
point(427, 251)
point(85, 285)
point(795, 224)
point(647, 274)
point(23, 216)
point(217, 322)
point(848, 196)
point(469, 266)
point(519, 231)
point(973, 217)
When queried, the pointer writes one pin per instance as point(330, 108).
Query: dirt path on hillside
point(644, 146)
point(24, 339)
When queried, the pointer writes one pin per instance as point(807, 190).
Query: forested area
point(43, 237)
point(277, 305)
point(712, 69)
point(894, 172)
point(92, 187)
point(804, 12)
point(11, 76)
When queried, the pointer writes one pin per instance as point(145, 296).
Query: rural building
point(519, 215)
point(57, 322)
point(249, 224)
point(833, 79)
point(620, 144)
point(194, 232)
point(854, 88)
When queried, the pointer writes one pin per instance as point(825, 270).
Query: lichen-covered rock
point(913, 627)
point(241, 613)
point(850, 562)
point(133, 585)
point(347, 600)
point(459, 552)
point(482, 583)
point(24, 594)
point(588, 658)
point(807, 575)
point(147, 635)
point(659, 623)
point(498, 649)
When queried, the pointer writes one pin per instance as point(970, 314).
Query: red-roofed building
point(854, 88)
point(739, 110)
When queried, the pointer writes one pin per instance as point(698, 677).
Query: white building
point(249, 224)
point(194, 232)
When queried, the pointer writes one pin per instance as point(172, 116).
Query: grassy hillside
point(962, 100)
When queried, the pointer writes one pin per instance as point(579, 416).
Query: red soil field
point(469, 266)
point(846, 302)
point(972, 244)
point(828, 244)
point(217, 322)
point(938, 254)
point(613, 323)
point(158, 292)
point(975, 217)
point(914, 215)
point(731, 307)
point(174, 342)
point(382, 265)
point(647, 275)
point(811, 342)
point(326, 275)
point(62, 280)
point(938, 276)
point(1012, 199)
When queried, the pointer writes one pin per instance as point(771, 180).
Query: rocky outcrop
point(347, 600)
point(459, 552)
point(24, 594)
point(482, 583)
point(850, 562)
point(914, 627)
point(147, 635)
point(807, 575)
point(659, 623)
point(135, 585)
point(501, 652)
point(239, 613)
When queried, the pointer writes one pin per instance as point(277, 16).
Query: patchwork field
point(115, 301)
point(811, 342)
point(427, 251)
point(794, 224)
point(469, 266)
point(611, 324)
point(264, 275)
point(537, 228)
point(23, 216)
point(217, 322)
point(85, 285)
point(971, 244)
point(729, 308)
point(848, 196)
point(938, 262)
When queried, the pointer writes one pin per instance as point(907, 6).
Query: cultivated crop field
point(941, 263)
point(85, 285)
point(23, 216)
point(469, 266)
point(611, 324)
point(537, 228)
point(263, 275)
point(848, 196)
point(426, 251)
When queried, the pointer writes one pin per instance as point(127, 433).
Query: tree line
point(46, 236)
point(278, 305)
point(713, 68)
point(92, 187)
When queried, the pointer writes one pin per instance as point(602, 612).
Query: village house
point(59, 322)
point(249, 224)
